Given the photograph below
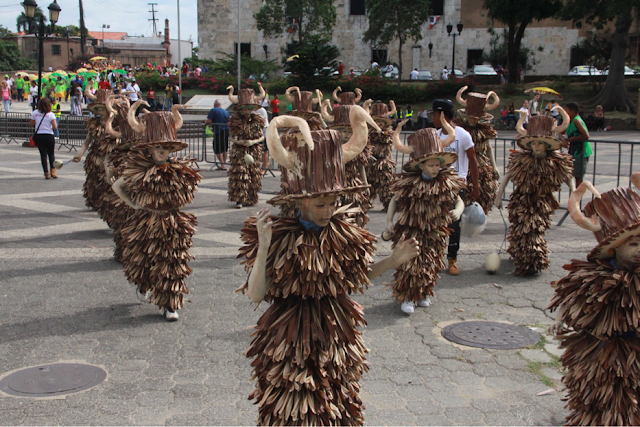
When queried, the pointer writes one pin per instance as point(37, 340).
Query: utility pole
point(83, 30)
point(153, 17)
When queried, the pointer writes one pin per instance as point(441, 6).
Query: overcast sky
point(131, 16)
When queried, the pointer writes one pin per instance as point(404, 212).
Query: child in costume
point(381, 165)
point(246, 132)
point(475, 119)
point(308, 355)
point(599, 300)
point(537, 171)
point(157, 237)
point(426, 199)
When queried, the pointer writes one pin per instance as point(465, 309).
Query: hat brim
point(341, 127)
point(382, 121)
point(282, 199)
point(445, 158)
point(95, 106)
point(605, 248)
point(173, 146)
point(485, 118)
point(552, 143)
point(246, 106)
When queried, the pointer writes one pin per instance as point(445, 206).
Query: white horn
point(520, 125)
point(177, 117)
point(323, 111)
point(318, 98)
point(335, 94)
point(451, 133)
point(108, 127)
point(89, 95)
point(358, 92)
point(566, 121)
point(263, 94)
point(233, 98)
point(404, 149)
point(392, 111)
point(137, 126)
point(109, 104)
point(367, 105)
point(459, 96)
point(358, 118)
point(287, 92)
point(591, 224)
point(276, 150)
point(495, 103)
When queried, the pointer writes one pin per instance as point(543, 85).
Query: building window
point(56, 49)
point(437, 7)
point(474, 57)
point(379, 56)
point(245, 49)
point(357, 7)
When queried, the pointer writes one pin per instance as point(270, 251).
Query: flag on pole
point(433, 20)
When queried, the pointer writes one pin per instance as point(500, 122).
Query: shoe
point(171, 316)
point(407, 307)
point(53, 173)
point(531, 271)
point(238, 205)
point(424, 302)
point(143, 297)
point(453, 267)
point(47, 176)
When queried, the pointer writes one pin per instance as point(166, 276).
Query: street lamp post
point(54, 13)
point(453, 56)
point(103, 27)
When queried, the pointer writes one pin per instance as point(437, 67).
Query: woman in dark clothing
point(44, 122)
point(511, 115)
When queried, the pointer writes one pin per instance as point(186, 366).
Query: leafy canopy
point(395, 19)
point(314, 63)
point(11, 57)
point(276, 17)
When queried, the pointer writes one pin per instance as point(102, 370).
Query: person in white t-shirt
point(134, 89)
point(44, 123)
point(445, 73)
point(466, 164)
point(414, 74)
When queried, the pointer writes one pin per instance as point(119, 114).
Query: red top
point(104, 84)
point(275, 106)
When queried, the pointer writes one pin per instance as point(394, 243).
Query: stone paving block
point(554, 349)
point(535, 355)
point(453, 365)
point(451, 399)
point(464, 416)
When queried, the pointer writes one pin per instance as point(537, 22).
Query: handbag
point(32, 141)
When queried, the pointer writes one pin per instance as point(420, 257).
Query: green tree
point(5, 32)
point(11, 57)
point(498, 52)
point(30, 26)
point(62, 31)
point(516, 16)
point(313, 63)
point(596, 52)
point(304, 17)
point(400, 20)
point(613, 96)
point(249, 66)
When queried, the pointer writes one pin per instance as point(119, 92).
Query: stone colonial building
point(550, 40)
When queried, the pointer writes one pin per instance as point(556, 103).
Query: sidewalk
point(63, 298)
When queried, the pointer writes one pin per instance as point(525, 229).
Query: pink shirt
point(6, 93)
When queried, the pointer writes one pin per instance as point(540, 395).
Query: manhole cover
point(501, 336)
point(52, 380)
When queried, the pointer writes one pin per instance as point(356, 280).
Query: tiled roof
point(108, 35)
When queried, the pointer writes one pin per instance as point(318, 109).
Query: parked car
point(458, 73)
point(424, 75)
point(628, 71)
point(483, 70)
point(395, 74)
point(584, 70)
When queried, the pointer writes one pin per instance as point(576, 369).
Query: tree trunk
point(513, 50)
point(614, 96)
point(399, 61)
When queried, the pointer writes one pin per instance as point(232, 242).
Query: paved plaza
point(64, 298)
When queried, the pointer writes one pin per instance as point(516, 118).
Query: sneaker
point(238, 205)
point(424, 302)
point(143, 297)
point(171, 316)
point(453, 267)
point(407, 307)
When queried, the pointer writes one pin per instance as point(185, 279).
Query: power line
point(153, 17)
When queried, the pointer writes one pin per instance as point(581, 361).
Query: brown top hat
point(613, 216)
point(542, 128)
point(347, 98)
point(381, 114)
point(476, 106)
point(341, 117)
point(315, 164)
point(118, 108)
point(246, 98)
point(424, 145)
point(303, 102)
point(158, 127)
point(98, 100)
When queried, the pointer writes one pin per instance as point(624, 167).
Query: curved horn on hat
point(591, 224)
point(404, 149)
point(451, 133)
point(287, 92)
point(358, 118)
point(392, 111)
point(277, 151)
point(495, 103)
point(177, 117)
point(318, 97)
point(566, 120)
point(323, 111)
point(233, 98)
point(520, 125)
point(89, 95)
point(335, 94)
point(459, 98)
point(263, 94)
point(358, 92)
point(109, 103)
point(137, 126)
point(108, 127)
point(367, 105)
point(635, 179)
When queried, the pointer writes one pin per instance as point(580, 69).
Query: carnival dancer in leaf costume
point(157, 237)
point(308, 354)
point(99, 144)
point(426, 200)
point(599, 301)
point(246, 132)
point(537, 171)
point(355, 170)
point(381, 164)
point(476, 120)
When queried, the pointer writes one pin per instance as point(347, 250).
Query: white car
point(584, 70)
point(628, 71)
point(424, 75)
point(458, 73)
point(483, 70)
